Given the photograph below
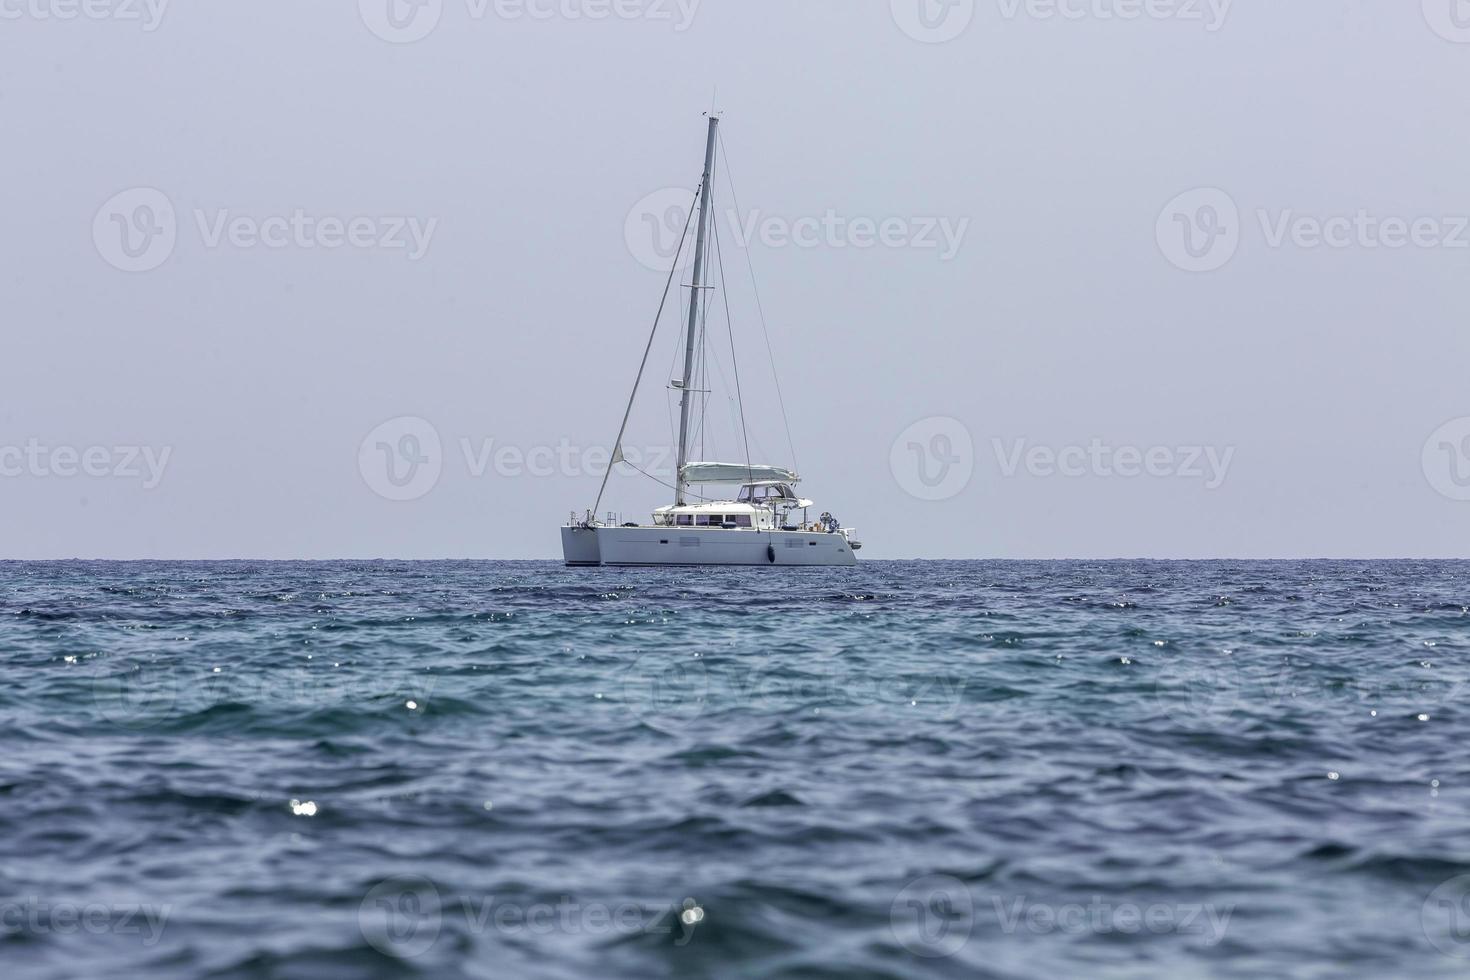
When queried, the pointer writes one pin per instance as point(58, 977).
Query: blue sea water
point(979, 769)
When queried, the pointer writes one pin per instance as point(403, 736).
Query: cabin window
point(686, 520)
point(741, 520)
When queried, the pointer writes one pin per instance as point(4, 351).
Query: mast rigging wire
point(734, 363)
point(700, 378)
point(760, 309)
point(661, 483)
point(622, 429)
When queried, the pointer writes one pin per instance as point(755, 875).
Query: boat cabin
point(725, 514)
point(766, 493)
point(761, 506)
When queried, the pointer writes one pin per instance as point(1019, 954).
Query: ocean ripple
point(995, 769)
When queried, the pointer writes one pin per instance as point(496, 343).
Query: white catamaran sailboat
point(758, 525)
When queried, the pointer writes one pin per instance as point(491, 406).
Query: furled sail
point(736, 473)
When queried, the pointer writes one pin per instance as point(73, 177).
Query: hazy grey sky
point(1010, 252)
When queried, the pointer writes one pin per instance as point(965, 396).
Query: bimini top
point(736, 473)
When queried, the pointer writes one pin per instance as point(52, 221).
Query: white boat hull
point(624, 546)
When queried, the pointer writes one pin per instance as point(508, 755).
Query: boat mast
point(698, 284)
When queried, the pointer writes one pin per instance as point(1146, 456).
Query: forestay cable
point(617, 455)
